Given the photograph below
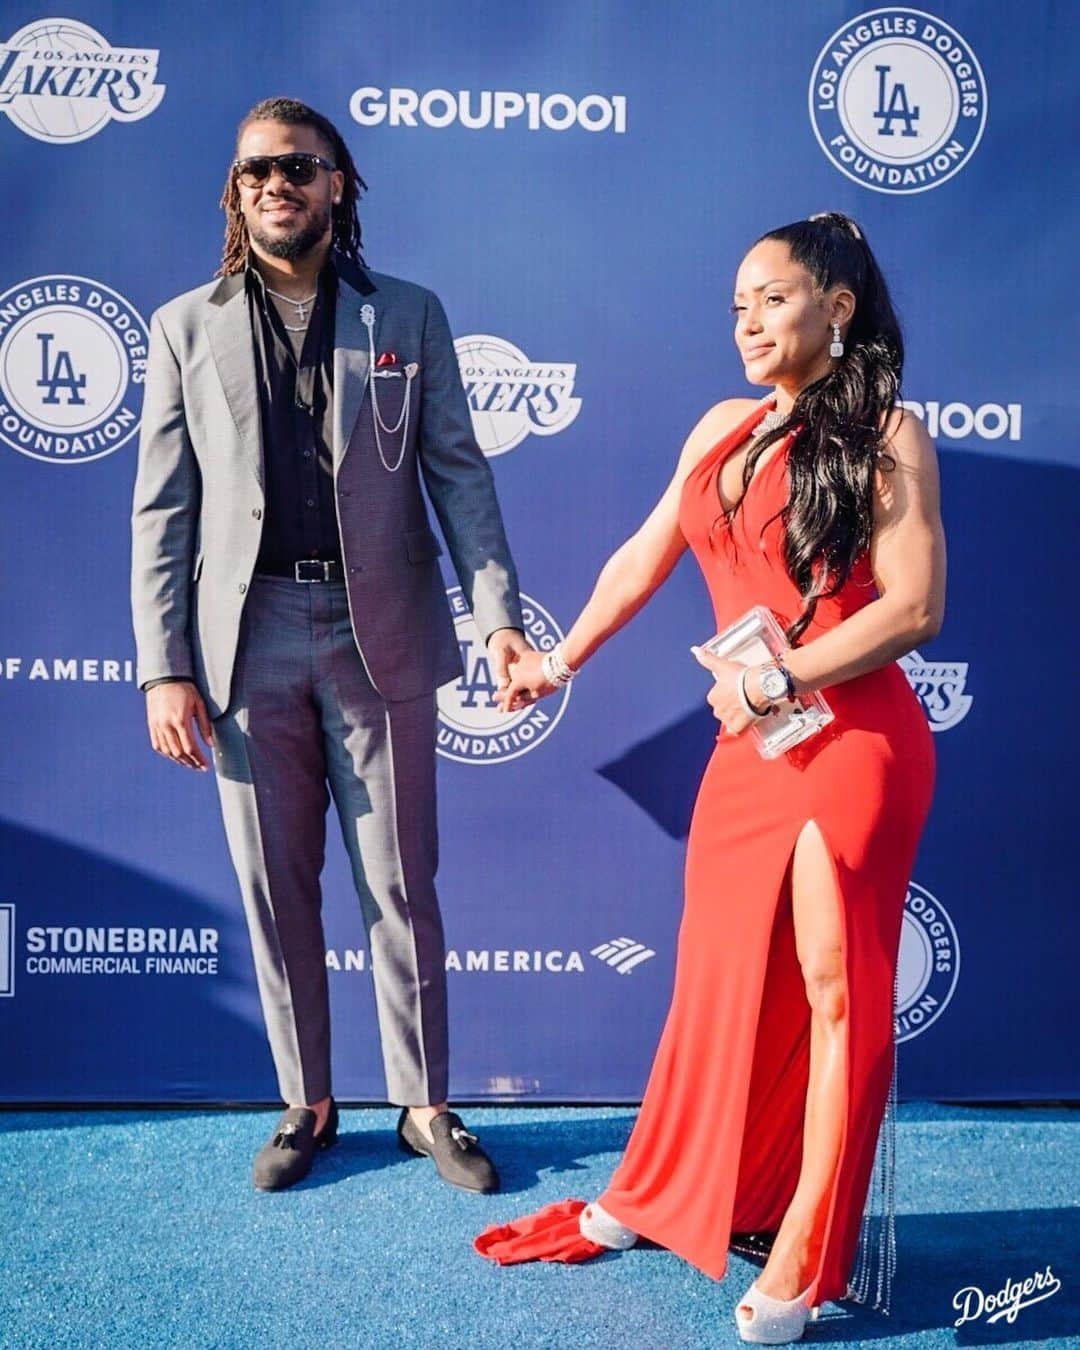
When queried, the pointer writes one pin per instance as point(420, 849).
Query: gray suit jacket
point(199, 500)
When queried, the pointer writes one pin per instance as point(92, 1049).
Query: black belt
point(308, 570)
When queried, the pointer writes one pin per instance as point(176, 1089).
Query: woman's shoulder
point(904, 436)
point(714, 424)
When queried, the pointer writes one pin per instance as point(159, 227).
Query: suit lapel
point(351, 353)
point(228, 331)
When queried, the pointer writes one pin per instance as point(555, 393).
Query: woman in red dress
point(766, 1100)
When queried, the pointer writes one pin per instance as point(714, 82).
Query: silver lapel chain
point(367, 317)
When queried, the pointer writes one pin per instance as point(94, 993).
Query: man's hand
point(527, 683)
point(504, 647)
point(170, 711)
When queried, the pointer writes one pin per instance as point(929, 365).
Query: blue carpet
point(141, 1228)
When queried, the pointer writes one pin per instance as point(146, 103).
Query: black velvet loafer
point(286, 1158)
point(456, 1153)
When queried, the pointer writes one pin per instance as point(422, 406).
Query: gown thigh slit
point(717, 1146)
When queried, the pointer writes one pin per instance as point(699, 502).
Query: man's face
point(285, 220)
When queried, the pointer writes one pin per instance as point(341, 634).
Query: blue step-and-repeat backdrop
point(578, 182)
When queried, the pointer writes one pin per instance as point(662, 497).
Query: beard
point(299, 241)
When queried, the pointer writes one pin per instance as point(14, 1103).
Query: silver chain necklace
point(299, 305)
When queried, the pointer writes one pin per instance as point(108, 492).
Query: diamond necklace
point(772, 419)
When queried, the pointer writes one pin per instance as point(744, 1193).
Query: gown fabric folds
point(717, 1145)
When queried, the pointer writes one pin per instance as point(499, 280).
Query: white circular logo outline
point(817, 66)
point(563, 700)
point(951, 980)
point(125, 303)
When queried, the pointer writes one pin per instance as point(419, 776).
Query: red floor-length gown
point(717, 1145)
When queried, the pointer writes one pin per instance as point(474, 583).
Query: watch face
point(773, 684)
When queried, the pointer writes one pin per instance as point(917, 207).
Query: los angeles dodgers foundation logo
point(471, 730)
point(511, 396)
point(928, 965)
point(939, 686)
point(898, 100)
point(60, 80)
point(72, 365)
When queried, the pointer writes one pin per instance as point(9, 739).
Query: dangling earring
point(836, 349)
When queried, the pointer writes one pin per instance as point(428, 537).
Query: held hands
point(723, 697)
point(526, 683)
point(171, 709)
point(504, 647)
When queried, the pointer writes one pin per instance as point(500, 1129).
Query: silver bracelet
point(555, 667)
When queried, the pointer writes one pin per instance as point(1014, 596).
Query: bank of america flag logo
point(622, 954)
point(7, 951)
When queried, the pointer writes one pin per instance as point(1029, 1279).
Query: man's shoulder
point(195, 303)
point(396, 290)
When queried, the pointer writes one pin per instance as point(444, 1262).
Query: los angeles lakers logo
point(939, 686)
point(72, 365)
point(898, 100)
point(62, 81)
point(511, 397)
point(471, 729)
point(928, 966)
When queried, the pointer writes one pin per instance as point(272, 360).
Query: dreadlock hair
point(345, 236)
point(828, 519)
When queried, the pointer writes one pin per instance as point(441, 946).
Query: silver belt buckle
point(323, 567)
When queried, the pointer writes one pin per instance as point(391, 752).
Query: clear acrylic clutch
point(751, 641)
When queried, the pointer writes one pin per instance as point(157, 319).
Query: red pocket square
point(387, 359)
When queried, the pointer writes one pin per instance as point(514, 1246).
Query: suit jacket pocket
point(422, 546)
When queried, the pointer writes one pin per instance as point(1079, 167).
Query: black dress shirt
point(295, 414)
point(295, 411)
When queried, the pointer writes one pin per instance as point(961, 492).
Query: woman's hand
point(527, 683)
point(723, 697)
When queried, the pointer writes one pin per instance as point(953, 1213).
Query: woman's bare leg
point(817, 913)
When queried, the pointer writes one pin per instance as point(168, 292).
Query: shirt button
point(257, 513)
point(311, 501)
point(243, 587)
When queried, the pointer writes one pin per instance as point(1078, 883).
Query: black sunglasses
point(299, 168)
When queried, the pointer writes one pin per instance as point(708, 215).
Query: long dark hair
point(828, 520)
point(345, 236)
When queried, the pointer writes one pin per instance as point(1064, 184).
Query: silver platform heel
point(775, 1321)
point(598, 1226)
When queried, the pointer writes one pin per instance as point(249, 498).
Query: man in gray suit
point(288, 602)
